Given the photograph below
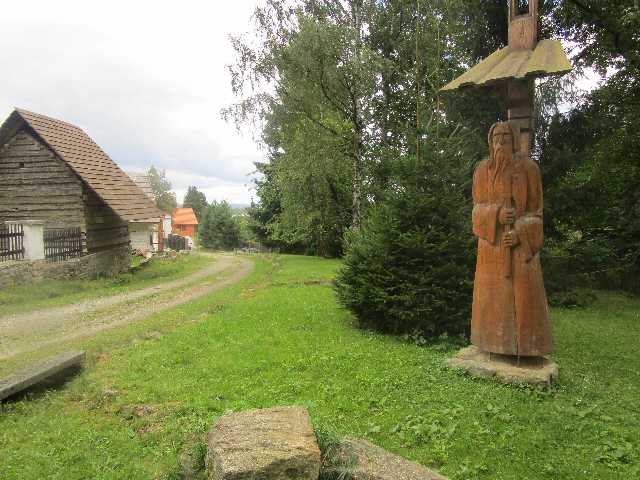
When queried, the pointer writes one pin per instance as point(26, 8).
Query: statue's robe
point(510, 313)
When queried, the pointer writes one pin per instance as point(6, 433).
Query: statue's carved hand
point(510, 239)
point(507, 215)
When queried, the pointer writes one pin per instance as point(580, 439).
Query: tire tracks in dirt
point(30, 331)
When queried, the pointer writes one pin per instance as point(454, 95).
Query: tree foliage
point(340, 91)
point(605, 34)
point(409, 269)
point(345, 94)
point(312, 69)
point(161, 187)
point(592, 216)
point(219, 229)
point(196, 200)
point(592, 220)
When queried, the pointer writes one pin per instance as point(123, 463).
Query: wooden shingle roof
point(89, 162)
point(143, 182)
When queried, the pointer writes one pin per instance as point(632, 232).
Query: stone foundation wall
point(107, 263)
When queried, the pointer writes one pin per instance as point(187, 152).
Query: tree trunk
point(356, 15)
point(357, 181)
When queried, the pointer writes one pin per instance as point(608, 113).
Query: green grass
point(279, 338)
point(51, 293)
point(136, 260)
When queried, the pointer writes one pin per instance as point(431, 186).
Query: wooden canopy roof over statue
point(514, 68)
point(548, 58)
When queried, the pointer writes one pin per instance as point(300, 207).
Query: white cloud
point(145, 79)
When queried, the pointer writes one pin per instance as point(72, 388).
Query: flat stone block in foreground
point(532, 371)
point(268, 444)
point(358, 459)
point(41, 372)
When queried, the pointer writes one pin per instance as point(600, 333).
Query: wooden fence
point(63, 244)
point(11, 242)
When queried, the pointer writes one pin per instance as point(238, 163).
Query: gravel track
point(32, 330)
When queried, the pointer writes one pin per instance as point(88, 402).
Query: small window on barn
point(21, 165)
point(522, 7)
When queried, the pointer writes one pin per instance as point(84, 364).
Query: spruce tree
point(410, 267)
point(219, 229)
point(196, 200)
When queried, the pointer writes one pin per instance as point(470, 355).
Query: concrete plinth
point(538, 371)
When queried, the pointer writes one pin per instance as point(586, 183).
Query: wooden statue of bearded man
point(510, 313)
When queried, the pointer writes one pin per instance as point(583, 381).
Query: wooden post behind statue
point(510, 314)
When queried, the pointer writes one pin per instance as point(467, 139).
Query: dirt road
point(29, 331)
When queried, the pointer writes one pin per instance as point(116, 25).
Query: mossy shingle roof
point(548, 58)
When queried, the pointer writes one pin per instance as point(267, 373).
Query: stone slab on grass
point(31, 376)
point(359, 459)
point(266, 444)
point(532, 371)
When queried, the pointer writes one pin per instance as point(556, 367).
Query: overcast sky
point(145, 79)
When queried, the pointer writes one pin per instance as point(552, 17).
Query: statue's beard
point(501, 157)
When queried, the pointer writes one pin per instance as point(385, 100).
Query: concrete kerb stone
point(40, 372)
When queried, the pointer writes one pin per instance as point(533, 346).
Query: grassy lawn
point(55, 292)
point(278, 338)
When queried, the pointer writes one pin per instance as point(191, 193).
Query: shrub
point(574, 265)
point(410, 266)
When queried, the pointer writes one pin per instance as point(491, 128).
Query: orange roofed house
point(184, 222)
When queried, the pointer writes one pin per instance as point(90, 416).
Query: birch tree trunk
point(356, 17)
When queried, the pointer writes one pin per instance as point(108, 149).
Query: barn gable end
point(36, 185)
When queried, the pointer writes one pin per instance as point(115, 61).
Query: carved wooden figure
point(510, 314)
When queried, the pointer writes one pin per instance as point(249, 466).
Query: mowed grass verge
point(279, 338)
point(52, 293)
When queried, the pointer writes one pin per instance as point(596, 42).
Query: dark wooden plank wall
point(104, 228)
point(37, 185)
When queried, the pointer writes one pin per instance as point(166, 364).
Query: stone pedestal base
point(532, 371)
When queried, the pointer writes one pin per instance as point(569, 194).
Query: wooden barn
point(52, 171)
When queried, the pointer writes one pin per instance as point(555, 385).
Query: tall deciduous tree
point(312, 64)
point(161, 187)
point(341, 90)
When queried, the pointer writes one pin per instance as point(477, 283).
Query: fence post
point(33, 240)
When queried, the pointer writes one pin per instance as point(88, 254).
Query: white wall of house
point(142, 236)
point(166, 225)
